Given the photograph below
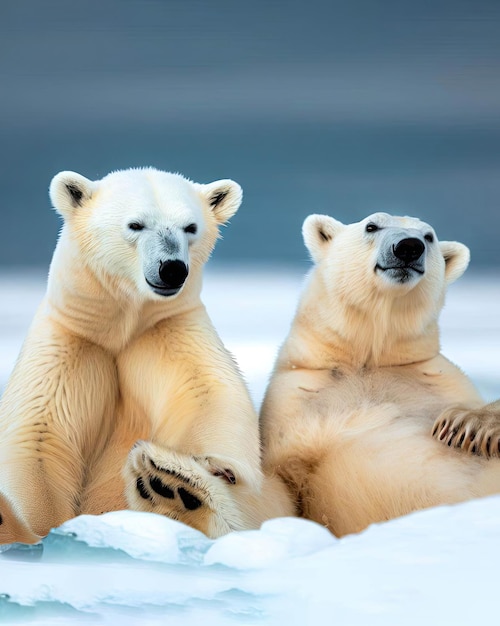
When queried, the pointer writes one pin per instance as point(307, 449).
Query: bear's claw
point(226, 474)
point(475, 431)
point(216, 468)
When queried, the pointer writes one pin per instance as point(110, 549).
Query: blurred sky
point(319, 106)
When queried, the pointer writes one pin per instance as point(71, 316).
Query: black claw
point(160, 488)
point(190, 502)
point(142, 489)
point(461, 440)
point(472, 436)
point(228, 475)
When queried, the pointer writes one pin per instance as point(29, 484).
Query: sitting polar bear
point(122, 349)
point(359, 384)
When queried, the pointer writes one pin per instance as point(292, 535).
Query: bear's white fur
point(360, 385)
point(120, 350)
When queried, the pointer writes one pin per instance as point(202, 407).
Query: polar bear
point(123, 394)
point(359, 384)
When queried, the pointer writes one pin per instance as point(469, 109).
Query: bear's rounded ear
point(69, 190)
point(318, 231)
point(223, 196)
point(456, 257)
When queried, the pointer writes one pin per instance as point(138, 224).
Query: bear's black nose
point(409, 249)
point(173, 274)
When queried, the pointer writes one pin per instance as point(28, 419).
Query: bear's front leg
point(193, 490)
point(476, 431)
point(201, 424)
point(54, 418)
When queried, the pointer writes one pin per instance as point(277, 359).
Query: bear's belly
point(395, 393)
point(368, 445)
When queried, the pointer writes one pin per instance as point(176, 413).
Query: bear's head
point(382, 280)
point(143, 230)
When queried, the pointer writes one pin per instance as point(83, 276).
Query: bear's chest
point(399, 391)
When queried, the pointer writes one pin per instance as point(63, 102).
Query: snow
point(436, 566)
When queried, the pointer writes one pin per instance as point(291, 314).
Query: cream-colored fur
point(359, 384)
point(110, 360)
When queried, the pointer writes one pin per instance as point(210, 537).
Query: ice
point(436, 566)
point(152, 538)
point(432, 567)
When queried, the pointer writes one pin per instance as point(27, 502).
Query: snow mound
point(278, 539)
point(436, 566)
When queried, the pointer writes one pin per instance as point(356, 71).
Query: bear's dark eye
point(371, 227)
point(136, 226)
point(429, 237)
point(192, 228)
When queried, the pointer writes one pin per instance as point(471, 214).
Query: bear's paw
point(475, 431)
point(186, 488)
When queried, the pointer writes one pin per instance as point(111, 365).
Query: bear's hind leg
point(193, 490)
point(476, 431)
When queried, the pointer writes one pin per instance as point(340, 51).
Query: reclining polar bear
point(359, 384)
point(122, 349)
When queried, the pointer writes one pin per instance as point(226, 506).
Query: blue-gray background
point(318, 106)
